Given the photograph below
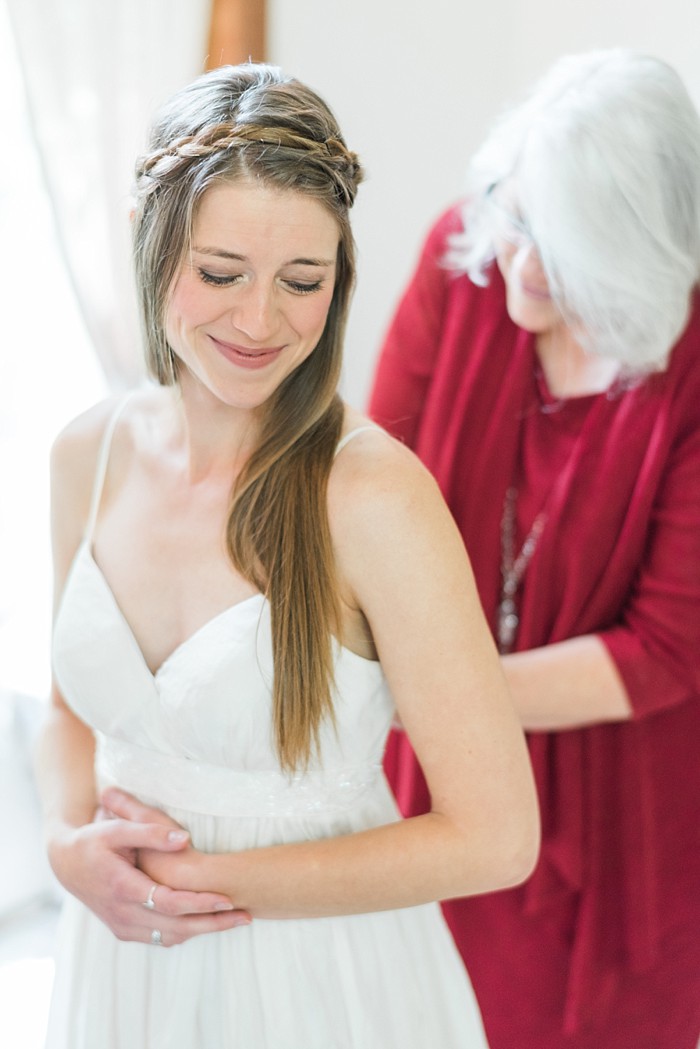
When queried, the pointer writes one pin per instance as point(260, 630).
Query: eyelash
point(218, 282)
point(304, 289)
point(297, 287)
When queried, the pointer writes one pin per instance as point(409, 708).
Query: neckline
point(549, 404)
point(85, 551)
point(87, 544)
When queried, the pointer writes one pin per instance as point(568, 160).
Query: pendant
point(507, 624)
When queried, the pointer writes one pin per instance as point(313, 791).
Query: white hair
point(604, 156)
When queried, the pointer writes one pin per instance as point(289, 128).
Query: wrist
point(220, 872)
point(59, 838)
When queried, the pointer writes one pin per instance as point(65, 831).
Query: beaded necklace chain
point(513, 568)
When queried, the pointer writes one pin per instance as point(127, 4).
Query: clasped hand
point(113, 864)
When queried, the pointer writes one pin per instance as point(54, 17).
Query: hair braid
point(169, 162)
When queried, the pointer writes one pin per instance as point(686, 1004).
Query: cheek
point(312, 319)
point(185, 302)
point(504, 259)
point(176, 306)
point(189, 307)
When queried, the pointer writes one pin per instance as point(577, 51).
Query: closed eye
point(219, 280)
point(226, 280)
point(303, 287)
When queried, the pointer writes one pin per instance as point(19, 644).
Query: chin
point(534, 316)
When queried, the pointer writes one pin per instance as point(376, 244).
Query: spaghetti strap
point(353, 433)
point(101, 468)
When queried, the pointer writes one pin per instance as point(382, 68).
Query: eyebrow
point(221, 253)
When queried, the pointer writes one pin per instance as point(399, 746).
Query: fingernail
point(242, 921)
point(223, 907)
point(178, 835)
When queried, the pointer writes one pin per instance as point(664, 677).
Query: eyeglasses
point(507, 226)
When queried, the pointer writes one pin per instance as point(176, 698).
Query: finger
point(174, 931)
point(123, 834)
point(125, 805)
point(155, 938)
point(150, 902)
point(130, 887)
point(178, 902)
point(161, 899)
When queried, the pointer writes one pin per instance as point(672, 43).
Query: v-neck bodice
point(210, 624)
point(210, 701)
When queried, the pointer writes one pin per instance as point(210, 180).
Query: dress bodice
point(208, 707)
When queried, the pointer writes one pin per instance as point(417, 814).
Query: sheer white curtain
point(94, 72)
point(79, 80)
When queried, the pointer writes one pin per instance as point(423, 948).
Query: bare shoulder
point(74, 460)
point(386, 512)
point(375, 474)
point(75, 449)
point(399, 554)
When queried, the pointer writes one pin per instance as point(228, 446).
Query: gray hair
point(605, 159)
point(238, 122)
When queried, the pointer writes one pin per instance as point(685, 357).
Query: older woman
point(545, 364)
point(234, 626)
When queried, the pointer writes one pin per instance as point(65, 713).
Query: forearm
point(65, 770)
point(403, 864)
point(566, 685)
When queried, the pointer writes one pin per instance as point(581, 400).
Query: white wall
point(416, 84)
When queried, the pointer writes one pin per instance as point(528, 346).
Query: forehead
point(239, 216)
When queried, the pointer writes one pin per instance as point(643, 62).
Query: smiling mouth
point(243, 354)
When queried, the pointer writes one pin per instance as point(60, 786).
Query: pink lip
point(245, 357)
point(542, 295)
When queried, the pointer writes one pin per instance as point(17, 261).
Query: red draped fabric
point(620, 557)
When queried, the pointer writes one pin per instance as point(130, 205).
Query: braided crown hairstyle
point(252, 122)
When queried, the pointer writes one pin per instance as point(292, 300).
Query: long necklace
point(513, 568)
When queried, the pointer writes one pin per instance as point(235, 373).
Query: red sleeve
point(656, 645)
point(410, 348)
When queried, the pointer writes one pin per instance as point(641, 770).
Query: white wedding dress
point(195, 739)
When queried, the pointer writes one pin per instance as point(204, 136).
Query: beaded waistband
point(219, 791)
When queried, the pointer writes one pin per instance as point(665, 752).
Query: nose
point(530, 264)
point(254, 311)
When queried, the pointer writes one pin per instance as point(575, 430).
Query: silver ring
point(156, 938)
point(150, 902)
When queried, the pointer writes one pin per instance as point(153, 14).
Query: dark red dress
point(601, 948)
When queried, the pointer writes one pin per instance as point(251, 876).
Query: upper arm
point(72, 470)
point(410, 348)
point(403, 558)
point(73, 464)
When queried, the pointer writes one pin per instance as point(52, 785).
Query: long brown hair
point(240, 122)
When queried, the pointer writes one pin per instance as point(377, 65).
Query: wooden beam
point(236, 32)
